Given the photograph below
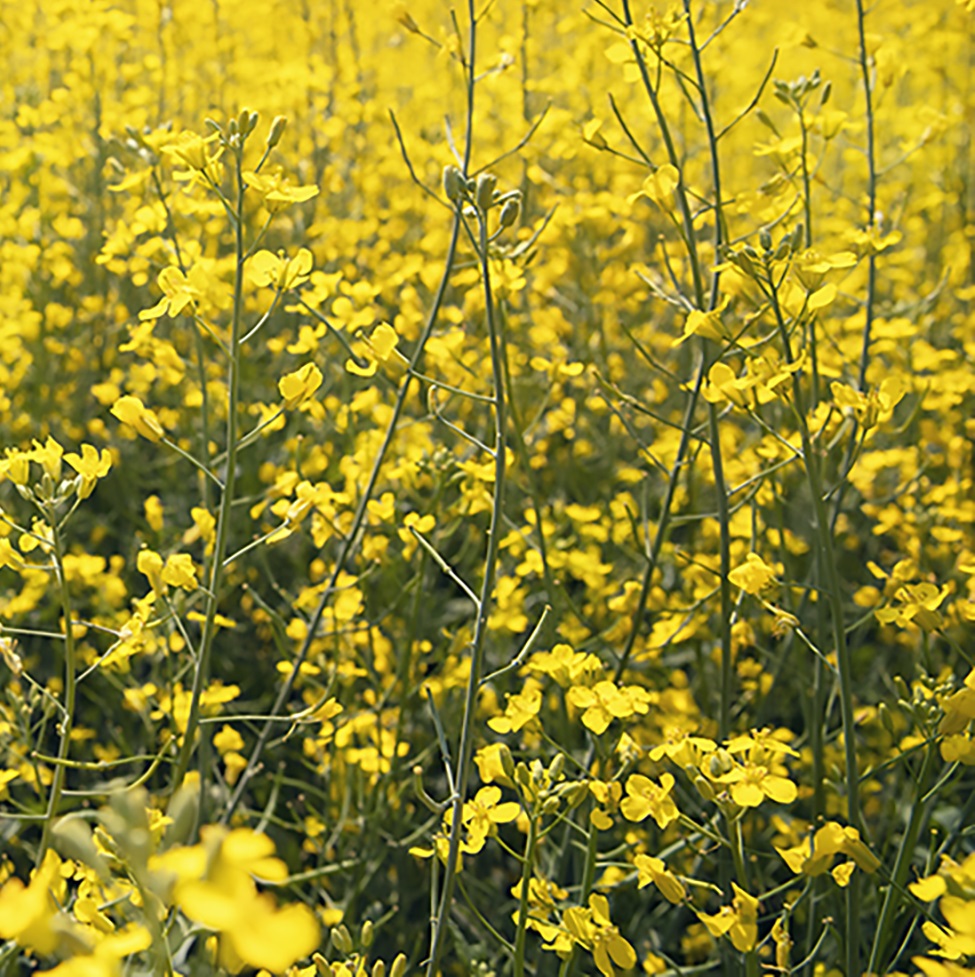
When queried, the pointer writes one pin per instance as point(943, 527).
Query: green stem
point(830, 588)
point(465, 751)
point(225, 515)
point(523, 903)
point(902, 865)
point(70, 693)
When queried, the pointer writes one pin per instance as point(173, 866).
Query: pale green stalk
point(70, 691)
point(225, 514)
point(465, 751)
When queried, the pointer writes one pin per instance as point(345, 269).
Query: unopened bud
point(510, 212)
point(886, 719)
point(720, 763)
point(765, 239)
point(367, 934)
point(507, 761)
point(484, 191)
point(322, 966)
point(276, 131)
point(399, 966)
point(743, 262)
point(341, 938)
point(454, 185)
point(704, 788)
point(379, 969)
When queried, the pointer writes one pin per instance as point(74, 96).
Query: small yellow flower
point(91, 466)
point(753, 576)
point(654, 870)
point(378, 348)
point(278, 271)
point(131, 411)
point(644, 798)
point(297, 387)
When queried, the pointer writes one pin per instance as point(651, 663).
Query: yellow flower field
point(487, 489)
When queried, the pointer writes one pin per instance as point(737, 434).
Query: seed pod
point(484, 191)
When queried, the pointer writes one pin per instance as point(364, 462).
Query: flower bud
point(276, 131)
point(507, 761)
point(379, 969)
point(550, 805)
point(399, 966)
point(510, 212)
point(454, 185)
point(484, 191)
point(367, 934)
point(322, 966)
point(341, 938)
point(704, 788)
point(720, 763)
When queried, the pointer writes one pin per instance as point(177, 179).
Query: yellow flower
point(276, 191)
point(482, 814)
point(830, 840)
point(916, 604)
point(178, 290)
point(91, 466)
point(644, 797)
point(739, 921)
point(252, 930)
point(753, 576)
point(520, 710)
point(606, 701)
point(131, 411)
point(180, 571)
point(283, 273)
point(299, 386)
point(378, 348)
point(593, 929)
point(150, 564)
point(192, 149)
point(654, 870)
point(29, 914)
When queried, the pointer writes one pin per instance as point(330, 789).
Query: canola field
point(487, 488)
